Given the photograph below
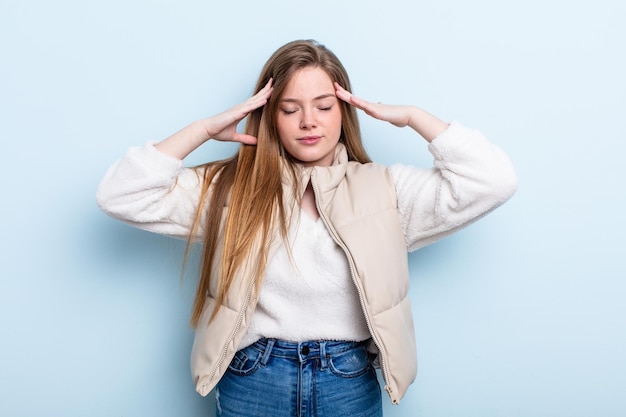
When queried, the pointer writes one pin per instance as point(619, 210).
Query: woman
point(304, 277)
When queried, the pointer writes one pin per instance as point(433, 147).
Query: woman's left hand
point(396, 115)
point(424, 123)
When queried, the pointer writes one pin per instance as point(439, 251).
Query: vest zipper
point(337, 239)
point(242, 312)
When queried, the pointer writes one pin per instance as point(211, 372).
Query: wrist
point(202, 130)
point(427, 125)
point(414, 114)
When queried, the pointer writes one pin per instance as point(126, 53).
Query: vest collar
point(326, 177)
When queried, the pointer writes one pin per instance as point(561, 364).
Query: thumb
point(245, 139)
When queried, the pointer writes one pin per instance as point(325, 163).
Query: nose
point(308, 120)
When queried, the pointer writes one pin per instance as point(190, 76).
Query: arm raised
point(222, 127)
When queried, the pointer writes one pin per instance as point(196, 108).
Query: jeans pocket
point(245, 361)
point(355, 362)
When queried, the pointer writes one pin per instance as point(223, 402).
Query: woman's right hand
point(222, 127)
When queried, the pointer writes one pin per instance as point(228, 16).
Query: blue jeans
point(309, 379)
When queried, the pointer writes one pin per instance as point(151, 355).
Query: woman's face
point(309, 117)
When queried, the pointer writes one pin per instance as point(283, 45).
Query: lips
point(309, 140)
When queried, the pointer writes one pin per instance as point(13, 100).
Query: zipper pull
point(394, 400)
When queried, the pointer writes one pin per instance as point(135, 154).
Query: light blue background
point(520, 315)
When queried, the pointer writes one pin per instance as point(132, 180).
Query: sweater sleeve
point(152, 191)
point(470, 178)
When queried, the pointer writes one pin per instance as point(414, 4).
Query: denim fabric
point(309, 379)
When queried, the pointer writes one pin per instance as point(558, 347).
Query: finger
point(241, 110)
point(360, 103)
point(259, 99)
point(342, 93)
point(245, 139)
point(350, 98)
point(266, 91)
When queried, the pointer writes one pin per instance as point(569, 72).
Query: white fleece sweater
point(154, 192)
point(310, 296)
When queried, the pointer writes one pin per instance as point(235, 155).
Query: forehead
point(308, 82)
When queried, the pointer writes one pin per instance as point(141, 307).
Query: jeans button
point(305, 350)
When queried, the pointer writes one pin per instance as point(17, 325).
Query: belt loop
point(268, 349)
point(323, 362)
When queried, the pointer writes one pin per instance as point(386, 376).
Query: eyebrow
point(295, 100)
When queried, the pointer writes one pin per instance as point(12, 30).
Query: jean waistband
point(301, 351)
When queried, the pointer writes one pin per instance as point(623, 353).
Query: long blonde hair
point(250, 181)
